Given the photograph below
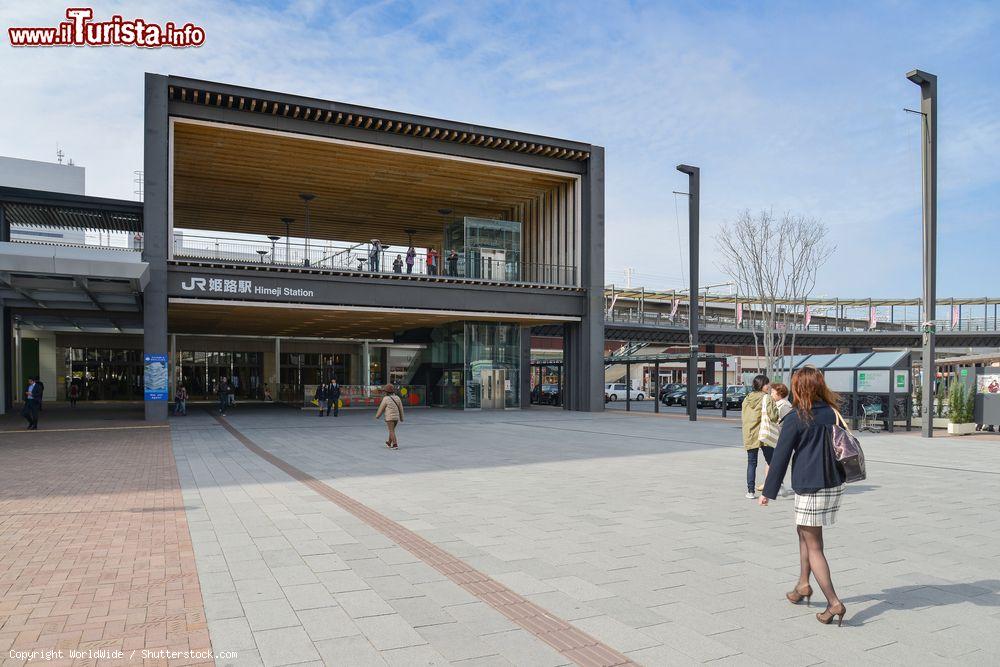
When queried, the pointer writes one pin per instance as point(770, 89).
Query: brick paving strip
point(95, 553)
point(568, 640)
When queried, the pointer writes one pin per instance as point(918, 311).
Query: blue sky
point(788, 106)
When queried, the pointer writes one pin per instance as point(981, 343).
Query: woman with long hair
point(816, 480)
point(758, 411)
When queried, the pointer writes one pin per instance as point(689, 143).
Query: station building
point(271, 249)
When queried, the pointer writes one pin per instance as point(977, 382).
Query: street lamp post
point(694, 194)
point(273, 239)
point(307, 197)
point(288, 232)
point(928, 109)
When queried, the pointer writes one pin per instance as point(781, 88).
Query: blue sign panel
point(156, 377)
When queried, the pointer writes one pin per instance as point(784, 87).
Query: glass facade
point(200, 371)
point(492, 359)
point(104, 374)
point(487, 249)
point(299, 369)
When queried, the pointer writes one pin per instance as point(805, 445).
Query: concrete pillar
point(585, 353)
point(156, 225)
point(525, 371)
point(366, 364)
point(6, 377)
point(47, 364)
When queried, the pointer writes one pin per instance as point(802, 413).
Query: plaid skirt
point(818, 509)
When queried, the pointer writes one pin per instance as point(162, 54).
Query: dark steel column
point(628, 387)
point(6, 330)
point(156, 226)
point(524, 376)
point(694, 187)
point(928, 108)
point(725, 383)
point(656, 397)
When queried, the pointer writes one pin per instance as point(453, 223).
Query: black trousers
point(30, 412)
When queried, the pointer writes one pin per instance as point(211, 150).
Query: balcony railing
point(359, 258)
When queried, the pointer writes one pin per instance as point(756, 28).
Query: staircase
point(615, 372)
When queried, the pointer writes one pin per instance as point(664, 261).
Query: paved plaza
point(540, 537)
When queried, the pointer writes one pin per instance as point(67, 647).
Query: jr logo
point(193, 283)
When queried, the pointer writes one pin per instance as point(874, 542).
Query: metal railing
point(846, 325)
point(361, 258)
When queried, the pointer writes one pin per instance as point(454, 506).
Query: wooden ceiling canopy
point(246, 320)
point(372, 120)
point(245, 181)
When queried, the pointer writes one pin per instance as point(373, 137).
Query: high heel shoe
point(832, 612)
point(796, 596)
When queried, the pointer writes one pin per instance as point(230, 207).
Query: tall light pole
point(928, 146)
point(273, 239)
point(307, 197)
point(288, 231)
point(694, 194)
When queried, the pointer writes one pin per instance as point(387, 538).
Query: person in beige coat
point(760, 418)
point(392, 407)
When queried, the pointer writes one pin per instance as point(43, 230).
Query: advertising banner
point(873, 382)
point(155, 377)
point(988, 384)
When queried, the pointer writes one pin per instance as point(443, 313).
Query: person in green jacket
point(758, 410)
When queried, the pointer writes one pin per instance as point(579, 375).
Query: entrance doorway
point(494, 389)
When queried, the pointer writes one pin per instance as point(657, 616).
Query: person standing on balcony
point(453, 263)
point(333, 398)
point(397, 264)
point(374, 255)
point(432, 260)
point(411, 256)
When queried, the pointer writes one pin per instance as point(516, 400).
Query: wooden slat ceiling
point(240, 181)
point(193, 318)
point(50, 216)
point(370, 120)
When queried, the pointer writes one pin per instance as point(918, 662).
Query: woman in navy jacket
point(816, 479)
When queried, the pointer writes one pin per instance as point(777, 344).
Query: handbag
point(769, 431)
point(847, 451)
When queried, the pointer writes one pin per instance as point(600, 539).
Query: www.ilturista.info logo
point(81, 30)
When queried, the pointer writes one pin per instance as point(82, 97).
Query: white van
point(618, 392)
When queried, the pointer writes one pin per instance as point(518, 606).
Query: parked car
point(698, 396)
point(618, 392)
point(734, 398)
point(547, 394)
point(674, 397)
point(708, 395)
point(668, 389)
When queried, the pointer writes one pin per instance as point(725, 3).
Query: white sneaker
point(750, 495)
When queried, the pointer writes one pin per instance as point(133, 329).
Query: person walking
point(32, 402)
point(180, 402)
point(333, 398)
point(817, 481)
point(397, 264)
point(392, 408)
point(411, 257)
point(74, 394)
point(223, 395)
point(374, 255)
point(432, 258)
point(320, 397)
point(758, 416)
point(453, 263)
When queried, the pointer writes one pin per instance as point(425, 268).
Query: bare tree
point(774, 264)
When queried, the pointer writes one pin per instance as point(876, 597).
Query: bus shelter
point(875, 383)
